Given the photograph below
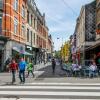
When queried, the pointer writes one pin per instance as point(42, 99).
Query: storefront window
point(1, 4)
point(0, 25)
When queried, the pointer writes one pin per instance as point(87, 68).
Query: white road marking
point(52, 99)
point(63, 83)
point(46, 93)
point(49, 87)
point(40, 99)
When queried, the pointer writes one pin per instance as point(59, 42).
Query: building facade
point(85, 31)
point(23, 31)
point(50, 48)
point(98, 19)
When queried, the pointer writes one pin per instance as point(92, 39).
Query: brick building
point(23, 31)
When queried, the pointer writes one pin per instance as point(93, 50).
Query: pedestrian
point(30, 69)
point(13, 68)
point(22, 66)
point(74, 68)
point(92, 69)
point(7, 63)
point(53, 65)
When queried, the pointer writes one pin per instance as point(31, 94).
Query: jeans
point(13, 75)
point(30, 71)
point(53, 68)
point(22, 75)
point(92, 73)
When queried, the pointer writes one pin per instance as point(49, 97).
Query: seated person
point(92, 69)
point(75, 69)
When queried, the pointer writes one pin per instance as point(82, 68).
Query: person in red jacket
point(13, 68)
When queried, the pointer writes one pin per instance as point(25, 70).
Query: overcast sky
point(61, 17)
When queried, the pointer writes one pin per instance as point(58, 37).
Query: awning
point(16, 49)
point(24, 52)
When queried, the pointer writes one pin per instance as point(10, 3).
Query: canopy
point(24, 52)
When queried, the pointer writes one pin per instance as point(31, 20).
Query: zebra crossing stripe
point(50, 87)
point(48, 93)
point(63, 84)
point(53, 99)
point(40, 99)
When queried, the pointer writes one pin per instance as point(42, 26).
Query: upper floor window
point(16, 5)
point(28, 35)
point(0, 21)
point(98, 26)
point(23, 11)
point(98, 6)
point(23, 30)
point(28, 16)
point(15, 25)
point(0, 25)
point(31, 19)
point(34, 38)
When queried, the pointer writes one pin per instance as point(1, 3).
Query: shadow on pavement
point(8, 84)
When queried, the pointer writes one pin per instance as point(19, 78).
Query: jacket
point(30, 67)
point(13, 66)
point(22, 65)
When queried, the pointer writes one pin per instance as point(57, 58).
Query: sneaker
point(20, 82)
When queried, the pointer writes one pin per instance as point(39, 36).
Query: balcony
point(1, 4)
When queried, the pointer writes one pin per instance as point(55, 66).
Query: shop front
point(1, 55)
point(29, 55)
point(3, 41)
point(20, 51)
point(93, 53)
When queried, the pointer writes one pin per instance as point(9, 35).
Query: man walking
point(13, 67)
point(53, 65)
point(22, 66)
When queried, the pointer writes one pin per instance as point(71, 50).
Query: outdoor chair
point(68, 70)
point(85, 71)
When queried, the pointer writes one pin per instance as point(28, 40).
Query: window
point(31, 36)
point(16, 5)
point(31, 19)
point(34, 22)
point(98, 26)
point(37, 40)
point(27, 35)
point(15, 25)
point(23, 30)
point(28, 16)
point(0, 25)
point(23, 11)
point(1, 4)
point(34, 38)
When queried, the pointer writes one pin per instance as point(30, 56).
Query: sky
point(61, 17)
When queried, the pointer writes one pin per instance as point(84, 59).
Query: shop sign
point(28, 47)
point(98, 31)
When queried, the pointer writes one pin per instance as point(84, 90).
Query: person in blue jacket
point(22, 67)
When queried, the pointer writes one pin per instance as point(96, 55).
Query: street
point(46, 86)
point(58, 42)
